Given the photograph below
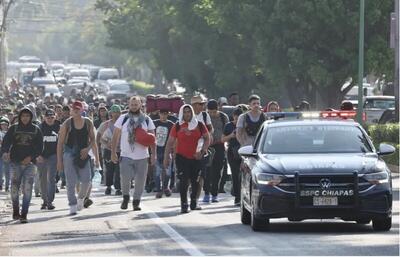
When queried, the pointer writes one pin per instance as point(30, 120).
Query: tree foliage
point(277, 48)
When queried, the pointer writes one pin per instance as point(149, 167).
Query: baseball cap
point(197, 99)
point(4, 120)
point(77, 105)
point(222, 100)
point(115, 108)
point(49, 112)
point(102, 106)
point(212, 104)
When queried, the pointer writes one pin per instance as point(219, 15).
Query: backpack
point(253, 127)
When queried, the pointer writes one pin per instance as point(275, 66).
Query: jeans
point(188, 172)
point(112, 170)
point(22, 176)
point(162, 175)
point(75, 175)
point(133, 169)
point(4, 169)
point(36, 182)
point(48, 171)
point(213, 174)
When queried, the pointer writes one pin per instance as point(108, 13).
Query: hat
point(164, 111)
point(222, 100)
point(102, 106)
point(4, 120)
point(212, 104)
point(115, 108)
point(198, 99)
point(49, 112)
point(77, 105)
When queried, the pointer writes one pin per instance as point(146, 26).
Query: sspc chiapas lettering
point(327, 192)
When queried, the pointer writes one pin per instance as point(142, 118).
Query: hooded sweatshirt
point(22, 140)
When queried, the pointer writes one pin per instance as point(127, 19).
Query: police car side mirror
point(385, 149)
point(247, 151)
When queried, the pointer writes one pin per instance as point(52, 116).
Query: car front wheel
point(258, 224)
point(245, 215)
point(382, 224)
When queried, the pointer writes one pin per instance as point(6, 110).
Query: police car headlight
point(377, 178)
point(268, 179)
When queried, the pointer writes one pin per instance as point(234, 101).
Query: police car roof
point(284, 123)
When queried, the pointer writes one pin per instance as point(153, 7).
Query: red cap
point(78, 105)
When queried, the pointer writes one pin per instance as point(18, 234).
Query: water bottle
point(96, 179)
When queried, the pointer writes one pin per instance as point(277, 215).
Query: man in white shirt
point(134, 156)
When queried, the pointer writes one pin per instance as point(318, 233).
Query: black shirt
point(50, 138)
point(162, 133)
point(229, 128)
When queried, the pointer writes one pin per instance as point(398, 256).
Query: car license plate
point(325, 201)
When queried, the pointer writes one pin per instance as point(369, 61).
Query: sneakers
point(214, 199)
point(206, 198)
point(124, 204)
point(159, 194)
point(57, 191)
point(73, 209)
point(87, 202)
point(237, 202)
point(50, 206)
point(135, 204)
point(118, 192)
point(108, 191)
point(37, 194)
point(44, 206)
point(167, 192)
point(23, 219)
point(80, 204)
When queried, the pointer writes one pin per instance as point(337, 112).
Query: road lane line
point(174, 235)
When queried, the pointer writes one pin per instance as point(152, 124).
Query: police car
point(315, 169)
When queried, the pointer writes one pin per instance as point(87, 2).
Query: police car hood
point(289, 164)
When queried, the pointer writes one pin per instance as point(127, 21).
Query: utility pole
point(5, 8)
point(361, 64)
point(397, 57)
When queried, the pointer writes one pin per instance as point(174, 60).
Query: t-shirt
point(162, 133)
point(199, 117)
point(139, 151)
point(187, 140)
point(229, 128)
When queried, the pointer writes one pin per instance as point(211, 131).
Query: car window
point(379, 103)
point(120, 87)
point(315, 139)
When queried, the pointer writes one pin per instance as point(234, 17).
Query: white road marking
point(174, 235)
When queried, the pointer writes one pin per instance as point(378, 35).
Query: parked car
point(108, 73)
point(119, 89)
point(79, 73)
point(389, 116)
point(38, 81)
point(374, 106)
point(52, 89)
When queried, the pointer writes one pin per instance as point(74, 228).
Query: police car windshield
point(315, 139)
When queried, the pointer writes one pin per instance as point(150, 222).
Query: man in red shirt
point(192, 140)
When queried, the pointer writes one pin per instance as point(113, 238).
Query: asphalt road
point(159, 229)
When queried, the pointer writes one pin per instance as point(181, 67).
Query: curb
point(393, 168)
